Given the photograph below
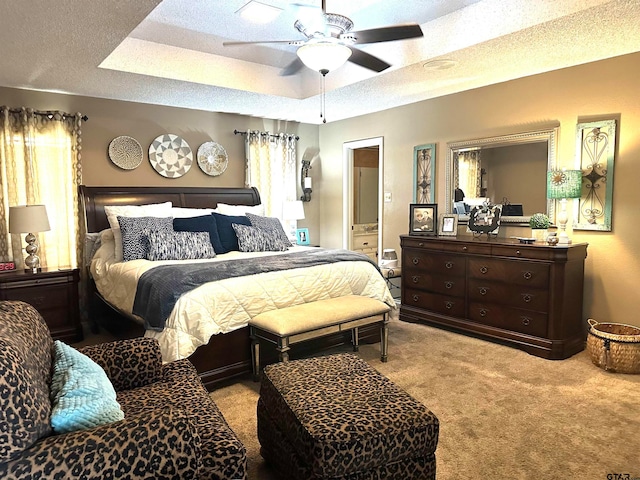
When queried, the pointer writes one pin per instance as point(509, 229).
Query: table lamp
point(292, 211)
point(561, 185)
point(28, 219)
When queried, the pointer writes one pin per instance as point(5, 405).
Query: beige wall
point(601, 90)
point(109, 119)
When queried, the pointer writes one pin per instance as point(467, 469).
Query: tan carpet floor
point(504, 414)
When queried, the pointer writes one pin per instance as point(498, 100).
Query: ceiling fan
point(329, 47)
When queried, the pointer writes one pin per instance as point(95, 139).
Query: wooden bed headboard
point(94, 199)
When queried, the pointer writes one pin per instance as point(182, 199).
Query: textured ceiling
point(170, 52)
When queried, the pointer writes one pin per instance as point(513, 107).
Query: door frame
point(347, 187)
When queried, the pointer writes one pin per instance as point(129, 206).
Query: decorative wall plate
point(212, 158)
point(170, 155)
point(125, 152)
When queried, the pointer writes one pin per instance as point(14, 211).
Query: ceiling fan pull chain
point(323, 103)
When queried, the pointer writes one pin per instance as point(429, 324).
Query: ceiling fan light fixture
point(324, 56)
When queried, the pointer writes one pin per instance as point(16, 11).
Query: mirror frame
point(549, 135)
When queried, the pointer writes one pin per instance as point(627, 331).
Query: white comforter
point(226, 305)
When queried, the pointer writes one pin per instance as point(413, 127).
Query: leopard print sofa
point(171, 430)
point(336, 417)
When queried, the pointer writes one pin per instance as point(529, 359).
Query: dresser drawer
point(522, 251)
point(52, 297)
point(514, 272)
point(365, 241)
point(506, 294)
point(439, 283)
point(445, 304)
point(447, 264)
point(523, 321)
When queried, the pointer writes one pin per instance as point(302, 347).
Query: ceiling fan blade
point(293, 68)
point(367, 60)
point(387, 34)
point(289, 42)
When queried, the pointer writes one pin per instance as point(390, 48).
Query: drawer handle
point(483, 270)
point(448, 305)
point(483, 290)
point(527, 297)
point(365, 243)
point(415, 279)
point(38, 300)
point(448, 285)
point(527, 275)
point(518, 252)
point(416, 298)
point(483, 312)
point(415, 260)
point(449, 265)
point(464, 249)
point(420, 244)
point(526, 321)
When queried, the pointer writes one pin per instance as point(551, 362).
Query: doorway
point(363, 164)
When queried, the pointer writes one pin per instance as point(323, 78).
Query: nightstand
point(53, 292)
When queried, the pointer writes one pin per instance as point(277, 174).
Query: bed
point(208, 324)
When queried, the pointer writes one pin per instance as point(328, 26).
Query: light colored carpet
point(504, 414)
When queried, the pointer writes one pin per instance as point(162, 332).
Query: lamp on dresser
point(28, 219)
point(562, 185)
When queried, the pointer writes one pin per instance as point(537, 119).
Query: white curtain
point(40, 164)
point(271, 168)
point(469, 165)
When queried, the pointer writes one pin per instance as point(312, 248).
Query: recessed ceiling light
point(442, 64)
point(257, 12)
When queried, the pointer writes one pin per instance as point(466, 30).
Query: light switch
point(387, 197)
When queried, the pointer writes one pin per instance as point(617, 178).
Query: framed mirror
point(510, 170)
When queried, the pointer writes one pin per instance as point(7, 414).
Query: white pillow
point(226, 209)
point(114, 211)
point(180, 212)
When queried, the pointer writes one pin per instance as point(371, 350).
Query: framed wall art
point(595, 151)
point(448, 224)
point(423, 218)
point(424, 173)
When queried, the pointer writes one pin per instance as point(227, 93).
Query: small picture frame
point(423, 218)
point(448, 224)
point(302, 236)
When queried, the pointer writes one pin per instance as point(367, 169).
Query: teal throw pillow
point(81, 394)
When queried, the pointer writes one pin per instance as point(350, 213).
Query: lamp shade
point(324, 56)
point(28, 219)
point(293, 210)
point(564, 184)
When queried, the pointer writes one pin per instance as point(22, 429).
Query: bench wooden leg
point(355, 341)
point(283, 349)
point(255, 358)
point(384, 338)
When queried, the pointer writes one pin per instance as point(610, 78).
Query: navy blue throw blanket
point(160, 288)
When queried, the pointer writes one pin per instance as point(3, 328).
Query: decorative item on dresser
point(527, 296)
point(54, 293)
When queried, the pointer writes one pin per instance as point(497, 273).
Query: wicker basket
point(614, 347)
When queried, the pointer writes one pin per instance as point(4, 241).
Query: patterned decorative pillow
point(150, 210)
point(204, 223)
point(253, 239)
point(271, 225)
point(179, 245)
point(133, 230)
point(227, 235)
point(82, 395)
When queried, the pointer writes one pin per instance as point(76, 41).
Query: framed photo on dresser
point(423, 218)
point(448, 224)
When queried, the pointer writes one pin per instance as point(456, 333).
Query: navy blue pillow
point(226, 233)
point(205, 223)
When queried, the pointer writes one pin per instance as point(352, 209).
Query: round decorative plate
point(212, 158)
point(170, 155)
point(125, 152)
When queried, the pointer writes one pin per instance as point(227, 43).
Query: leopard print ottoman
point(336, 417)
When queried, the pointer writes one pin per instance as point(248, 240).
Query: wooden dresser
point(527, 296)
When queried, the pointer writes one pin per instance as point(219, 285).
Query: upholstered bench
point(336, 417)
point(290, 325)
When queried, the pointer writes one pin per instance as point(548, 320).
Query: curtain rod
point(48, 113)
point(238, 132)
